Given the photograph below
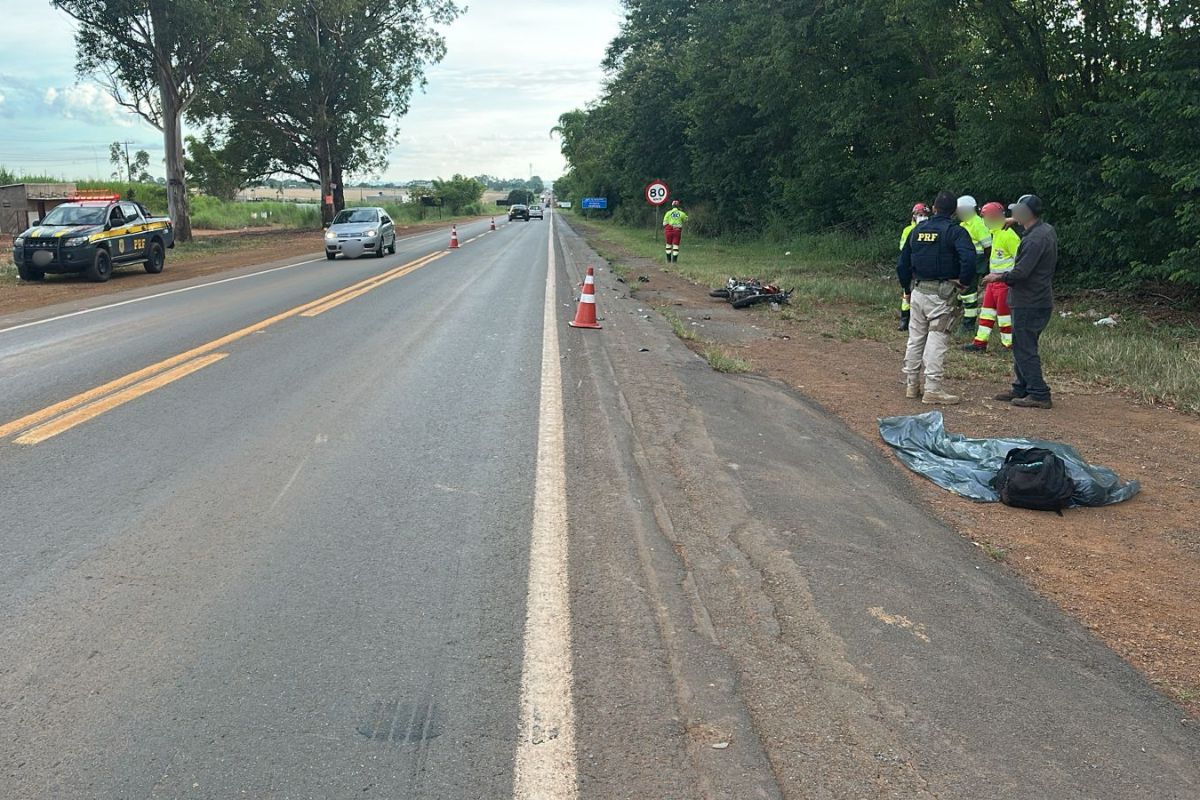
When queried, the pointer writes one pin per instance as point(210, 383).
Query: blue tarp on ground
point(967, 466)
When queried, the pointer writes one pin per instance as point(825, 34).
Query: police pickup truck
point(93, 235)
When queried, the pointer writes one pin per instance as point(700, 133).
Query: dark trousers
point(1028, 324)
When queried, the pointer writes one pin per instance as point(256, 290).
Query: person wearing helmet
point(673, 230)
point(995, 311)
point(982, 239)
point(920, 213)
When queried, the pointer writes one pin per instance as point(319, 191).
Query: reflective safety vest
point(981, 237)
point(675, 218)
point(907, 231)
point(1004, 249)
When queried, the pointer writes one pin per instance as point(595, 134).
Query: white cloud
point(87, 102)
point(1, 98)
point(510, 70)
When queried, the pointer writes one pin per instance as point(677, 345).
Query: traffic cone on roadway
point(493, 224)
point(585, 315)
point(453, 237)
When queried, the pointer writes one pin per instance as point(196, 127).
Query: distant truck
point(93, 235)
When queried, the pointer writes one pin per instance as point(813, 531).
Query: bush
point(214, 214)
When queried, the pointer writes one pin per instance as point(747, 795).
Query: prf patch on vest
point(927, 236)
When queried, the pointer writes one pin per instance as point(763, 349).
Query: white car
point(355, 231)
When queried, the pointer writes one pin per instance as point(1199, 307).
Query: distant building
point(23, 203)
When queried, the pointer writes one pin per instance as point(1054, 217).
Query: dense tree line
point(803, 115)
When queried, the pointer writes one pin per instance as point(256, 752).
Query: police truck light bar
point(95, 196)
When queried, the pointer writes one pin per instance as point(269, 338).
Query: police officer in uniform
point(938, 261)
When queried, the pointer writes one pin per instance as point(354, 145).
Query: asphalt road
point(388, 528)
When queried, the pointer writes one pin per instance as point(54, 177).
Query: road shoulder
point(875, 651)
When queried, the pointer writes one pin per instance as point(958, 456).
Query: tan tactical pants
point(932, 321)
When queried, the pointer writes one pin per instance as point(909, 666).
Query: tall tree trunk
point(339, 187)
point(172, 127)
point(325, 175)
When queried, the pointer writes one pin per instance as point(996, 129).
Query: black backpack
point(1035, 478)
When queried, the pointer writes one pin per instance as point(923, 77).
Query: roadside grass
point(721, 361)
point(710, 351)
point(224, 215)
point(681, 330)
point(993, 552)
point(845, 288)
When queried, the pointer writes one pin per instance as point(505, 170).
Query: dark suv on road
point(518, 212)
point(93, 234)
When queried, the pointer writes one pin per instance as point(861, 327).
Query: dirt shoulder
point(1129, 572)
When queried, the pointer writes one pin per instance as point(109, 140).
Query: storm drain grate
point(399, 722)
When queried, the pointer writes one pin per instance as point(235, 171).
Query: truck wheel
point(157, 258)
point(30, 274)
point(100, 269)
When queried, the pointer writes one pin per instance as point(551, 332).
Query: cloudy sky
point(511, 68)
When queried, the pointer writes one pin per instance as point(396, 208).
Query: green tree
point(127, 169)
point(800, 116)
point(211, 169)
point(520, 197)
point(156, 58)
point(459, 192)
point(318, 92)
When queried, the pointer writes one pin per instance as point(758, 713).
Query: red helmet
point(674, 202)
point(992, 208)
point(920, 210)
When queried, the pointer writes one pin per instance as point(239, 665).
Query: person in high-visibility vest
point(920, 213)
point(995, 311)
point(673, 229)
point(982, 239)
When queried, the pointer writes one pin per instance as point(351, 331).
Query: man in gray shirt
point(1031, 296)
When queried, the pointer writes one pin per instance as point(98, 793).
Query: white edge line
point(545, 765)
point(182, 289)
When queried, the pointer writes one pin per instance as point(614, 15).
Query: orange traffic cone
point(453, 237)
point(585, 315)
point(493, 224)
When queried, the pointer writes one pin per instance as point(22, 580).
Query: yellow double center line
point(66, 414)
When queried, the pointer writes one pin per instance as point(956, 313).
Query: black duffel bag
point(1033, 477)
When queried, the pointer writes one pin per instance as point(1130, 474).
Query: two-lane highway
point(388, 528)
point(291, 570)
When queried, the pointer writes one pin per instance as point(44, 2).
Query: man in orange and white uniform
point(995, 311)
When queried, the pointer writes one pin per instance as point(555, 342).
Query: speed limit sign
point(657, 193)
